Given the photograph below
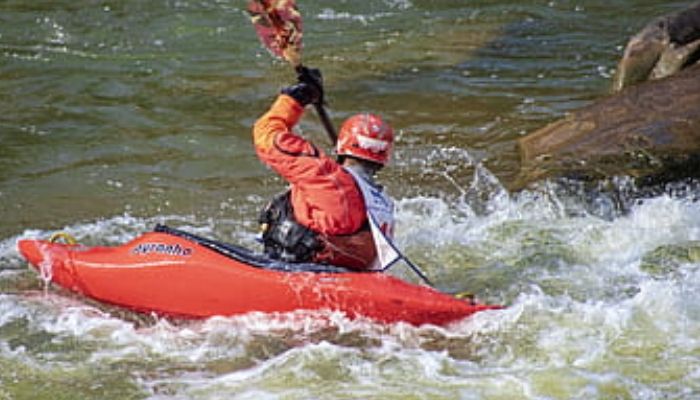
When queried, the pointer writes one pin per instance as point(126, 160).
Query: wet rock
point(662, 48)
point(650, 131)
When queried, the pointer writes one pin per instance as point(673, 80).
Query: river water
point(115, 116)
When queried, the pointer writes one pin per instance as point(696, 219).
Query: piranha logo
point(162, 248)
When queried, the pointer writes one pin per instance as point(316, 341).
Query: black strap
point(283, 237)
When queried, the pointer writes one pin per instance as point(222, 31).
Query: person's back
point(323, 217)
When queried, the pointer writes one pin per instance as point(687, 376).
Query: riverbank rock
point(662, 48)
point(650, 131)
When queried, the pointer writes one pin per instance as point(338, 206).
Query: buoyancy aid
point(286, 239)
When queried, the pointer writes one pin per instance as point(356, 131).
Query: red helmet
point(367, 137)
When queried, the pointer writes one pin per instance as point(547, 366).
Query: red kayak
point(175, 273)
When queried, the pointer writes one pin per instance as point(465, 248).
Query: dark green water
point(118, 115)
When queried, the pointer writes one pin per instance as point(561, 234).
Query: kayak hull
point(174, 276)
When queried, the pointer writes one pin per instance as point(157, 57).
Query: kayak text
point(162, 248)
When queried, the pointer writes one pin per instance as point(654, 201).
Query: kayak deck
point(249, 257)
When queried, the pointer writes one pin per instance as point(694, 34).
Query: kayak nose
point(51, 260)
point(29, 249)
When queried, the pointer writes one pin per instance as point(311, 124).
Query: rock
point(650, 131)
point(662, 48)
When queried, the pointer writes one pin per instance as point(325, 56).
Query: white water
point(586, 316)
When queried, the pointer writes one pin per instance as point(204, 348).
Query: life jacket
point(284, 238)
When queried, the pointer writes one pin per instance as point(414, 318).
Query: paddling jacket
point(323, 216)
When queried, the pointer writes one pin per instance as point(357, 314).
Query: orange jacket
point(324, 196)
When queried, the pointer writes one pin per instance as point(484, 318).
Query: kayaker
point(324, 216)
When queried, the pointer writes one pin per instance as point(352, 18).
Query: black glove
point(309, 89)
point(303, 93)
point(311, 77)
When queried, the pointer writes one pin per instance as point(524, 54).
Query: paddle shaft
point(322, 113)
point(417, 270)
point(326, 121)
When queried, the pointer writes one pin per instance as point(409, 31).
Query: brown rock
point(662, 48)
point(646, 131)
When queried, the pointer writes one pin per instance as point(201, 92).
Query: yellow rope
point(64, 237)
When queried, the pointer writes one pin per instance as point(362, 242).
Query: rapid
point(116, 116)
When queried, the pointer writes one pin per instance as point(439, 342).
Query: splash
point(46, 267)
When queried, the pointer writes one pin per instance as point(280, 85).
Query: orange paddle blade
point(279, 27)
